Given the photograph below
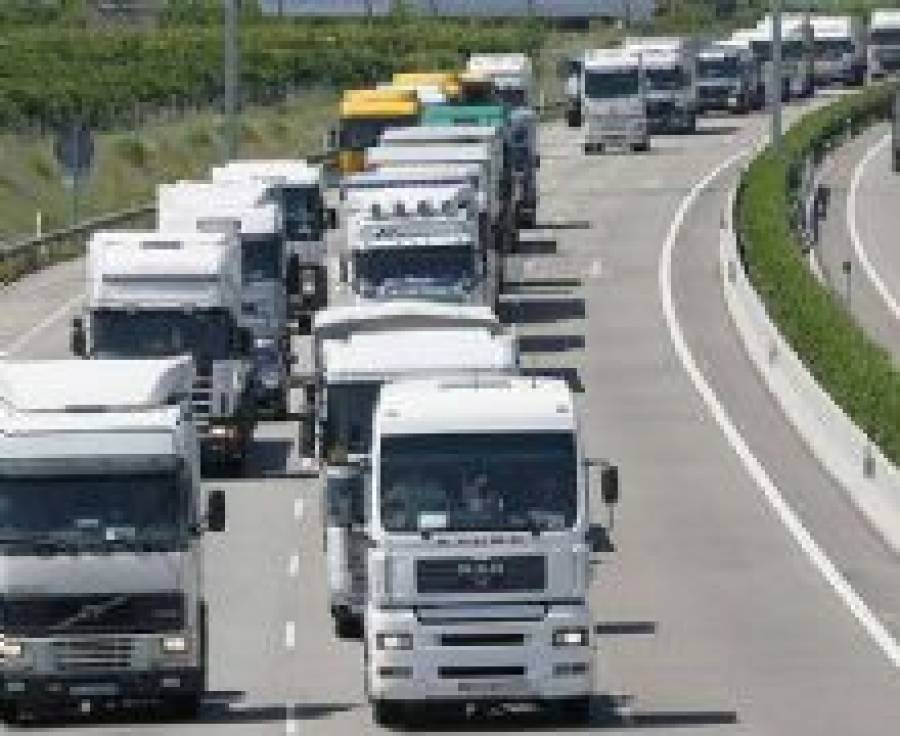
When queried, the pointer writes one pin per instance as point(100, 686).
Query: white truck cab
point(614, 101)
point(840, 49)
point(156, 295)
point(479, 564)
point(298, 188)
point(359, 349)
point(884, 44)
point(101, 537)
point(669, 64)
point(421, 243)
point(728, 78)
point(511, 74)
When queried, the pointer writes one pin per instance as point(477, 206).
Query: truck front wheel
point(183, 706)
point(573, 711)
point(388, 712)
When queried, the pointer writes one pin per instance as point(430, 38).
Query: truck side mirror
point(78, 338)
point(215, 511)
point(609, 484)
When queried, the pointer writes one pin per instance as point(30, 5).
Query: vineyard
point(49, 74)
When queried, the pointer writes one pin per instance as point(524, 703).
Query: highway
point(861, 228)
point(711, 617)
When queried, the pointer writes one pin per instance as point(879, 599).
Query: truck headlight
point(10, 650)
point(393, 642)
point(575, 636)
point(175, 644)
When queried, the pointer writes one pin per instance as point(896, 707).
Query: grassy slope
point(128, 165)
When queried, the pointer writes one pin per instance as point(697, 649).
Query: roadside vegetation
point(858, 374)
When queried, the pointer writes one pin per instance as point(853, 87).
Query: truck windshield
point(666, 79)
point(885, 36)
point(833, 48)
point(724, 68)
point(396, 272)
point(512, 96)
point(604, 85)
point(206, 335)
point(262, 258)
point(489, 482)
point(791, 50)
point(91, 509)
point(302, 213)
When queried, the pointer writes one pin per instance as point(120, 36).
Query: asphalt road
point(710, 618)
point(874, 226)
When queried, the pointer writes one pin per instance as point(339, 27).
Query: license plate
point(102, 689)
point(505, 686)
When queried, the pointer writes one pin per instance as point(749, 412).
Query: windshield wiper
point(90, 611)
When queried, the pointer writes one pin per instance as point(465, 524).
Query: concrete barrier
point(869, 478)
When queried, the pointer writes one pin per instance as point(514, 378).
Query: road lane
point(877, 219)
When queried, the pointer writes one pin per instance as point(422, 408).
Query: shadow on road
point(550, 343)
point(536, 247)
point(542, 309)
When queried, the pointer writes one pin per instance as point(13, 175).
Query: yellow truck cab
point(363, 116)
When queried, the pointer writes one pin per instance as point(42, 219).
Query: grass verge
point(857, 373)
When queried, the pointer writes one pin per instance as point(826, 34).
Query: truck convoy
point(669, 65)
point(156, 295)
point(614, 101)
point(478, 567)
point(103, 518)
point(884, 44)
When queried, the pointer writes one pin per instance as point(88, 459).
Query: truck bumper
point(53, 691)
point(499, 661)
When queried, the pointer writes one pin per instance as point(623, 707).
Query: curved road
point(711, 619)
point(864, 220)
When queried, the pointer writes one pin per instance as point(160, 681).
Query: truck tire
point(183, 706)
point(573, 118)
point(388, 712)
point(10, 712)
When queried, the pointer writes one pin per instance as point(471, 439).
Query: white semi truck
point(491, 223)
point(298, 188)
point(101, 538)
point(155, 295)
point(669, 64)
point(358, 350)
point(884, 44)
point(511, 74)
point(797, 52)
point(614, 101)
point(478, 566)
point(840, 49)
point(728, 79)
point(419, 243)
point(247, 208)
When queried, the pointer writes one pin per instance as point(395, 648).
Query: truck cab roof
point(77, 416)
point(462, 152)
point(385, 355)
point(477, 404)
point(272, 172)
point(340, 322)
point(412, 176)
point(610, 60)
point(241, 205)
point(152, 270)
point(441, 133)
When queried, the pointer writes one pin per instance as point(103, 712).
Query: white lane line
point(298, 509)
point(294, 566)
point(883, 291)
point(596, 270)
point(290, 635)
point(850, 598)
point(290, 723)
point(22, 340)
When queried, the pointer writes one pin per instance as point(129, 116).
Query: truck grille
point(476, 673)
point(506, 574)
point(482, 640)
point(99, 654)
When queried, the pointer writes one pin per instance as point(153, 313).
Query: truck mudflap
point(31, 693)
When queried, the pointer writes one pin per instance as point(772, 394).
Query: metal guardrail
point(82, 228)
